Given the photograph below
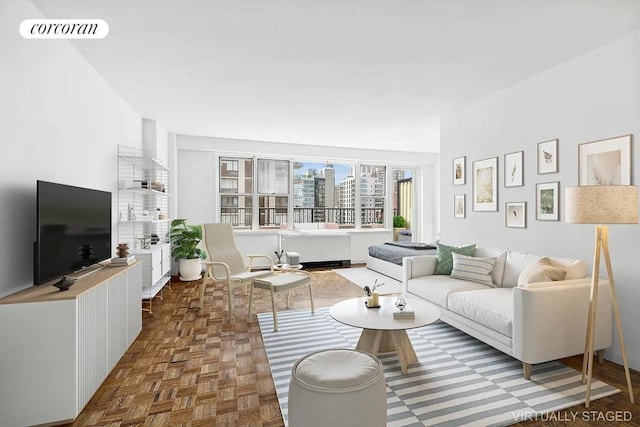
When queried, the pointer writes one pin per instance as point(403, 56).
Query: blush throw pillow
point(541, 271)
point(474, 269)
point(445, 259)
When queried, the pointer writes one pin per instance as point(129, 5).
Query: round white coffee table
point(381, 333)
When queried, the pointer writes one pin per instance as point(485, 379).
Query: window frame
point(275, 194)
point(386, 197)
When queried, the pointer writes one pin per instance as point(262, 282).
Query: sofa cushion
point(516, 262)
point(492, 308)
point(445, 260)
point(436, 289)
point(501, 258)
point(474, 269)
point(576, 269)
point(541, 271)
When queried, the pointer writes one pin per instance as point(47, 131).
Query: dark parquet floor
point(191, 367)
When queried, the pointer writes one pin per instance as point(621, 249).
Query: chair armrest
point(254, 256)
point(209, 271)
point(550, 319)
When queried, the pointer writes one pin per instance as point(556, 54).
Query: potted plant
point(399, 224)
point(184, 240)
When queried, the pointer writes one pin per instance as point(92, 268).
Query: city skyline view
point(341, 171)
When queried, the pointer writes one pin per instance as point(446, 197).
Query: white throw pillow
point(473, 269)
point(576, 269)
point(541, 271)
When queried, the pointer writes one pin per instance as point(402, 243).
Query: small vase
point(375, 299)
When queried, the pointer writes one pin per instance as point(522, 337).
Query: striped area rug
point(458, 381)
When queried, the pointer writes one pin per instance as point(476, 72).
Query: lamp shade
point(601, 204)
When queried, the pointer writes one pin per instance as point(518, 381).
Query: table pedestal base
point(378, 341)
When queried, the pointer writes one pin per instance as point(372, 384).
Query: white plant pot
point(190, 269)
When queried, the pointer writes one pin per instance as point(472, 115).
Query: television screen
point(74, 229)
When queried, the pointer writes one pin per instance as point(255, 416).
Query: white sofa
point(534, 323)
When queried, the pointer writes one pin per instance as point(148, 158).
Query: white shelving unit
point(143, 220)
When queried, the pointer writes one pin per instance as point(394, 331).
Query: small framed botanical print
point(516, 214)
point(459, 170)
point(513, 169)
point(547, 201)
point(548, 157)
point(485, 185)
point(459, 206)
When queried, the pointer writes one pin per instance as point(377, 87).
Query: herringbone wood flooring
point(191, 367)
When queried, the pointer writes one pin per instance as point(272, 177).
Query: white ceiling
point(351, 73)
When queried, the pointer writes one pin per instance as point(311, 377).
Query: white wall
point(593, 97)
point(60, 122)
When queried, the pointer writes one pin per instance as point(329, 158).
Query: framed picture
point(459, 170)
point(459, 208)
point(485, 184)
point(513, 169)
point(548, 157)
point(547, 201)
point(515, 214)
point(605, 162)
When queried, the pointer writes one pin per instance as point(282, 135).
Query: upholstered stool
point(280, 283)
point(337, 388)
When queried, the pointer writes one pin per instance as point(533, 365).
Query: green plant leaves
point(184, 240)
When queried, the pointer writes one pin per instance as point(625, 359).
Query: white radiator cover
point(318, 247)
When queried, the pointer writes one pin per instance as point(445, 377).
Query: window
point(259, 193)
point(273, 190)
point(372, 195)
point(236, 191)
point(403, 194)
point(318, 195)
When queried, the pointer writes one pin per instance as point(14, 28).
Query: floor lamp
point(601, 204)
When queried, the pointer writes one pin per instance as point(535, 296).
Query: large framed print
point(605, 162)
point(547, 201)
point(485, 185)
point(548, 157)
point(515, 214)
point(459, 206)
point(459, 170)
point(513, 169)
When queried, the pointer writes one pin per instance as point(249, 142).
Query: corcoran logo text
point(64, 29)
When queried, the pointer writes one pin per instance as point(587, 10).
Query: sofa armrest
point(416, 266)
point(550, 319)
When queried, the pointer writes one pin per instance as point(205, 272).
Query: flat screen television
point(73, 230)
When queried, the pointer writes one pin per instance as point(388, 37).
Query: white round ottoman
point(337, 388)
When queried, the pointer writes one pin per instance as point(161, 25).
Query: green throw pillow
point(445, 259)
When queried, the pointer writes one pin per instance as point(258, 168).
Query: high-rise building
point(308, 192)
point(319, 199)
point(329, 174)
point(347, 198)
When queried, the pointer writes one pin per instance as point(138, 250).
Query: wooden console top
point(47, 292)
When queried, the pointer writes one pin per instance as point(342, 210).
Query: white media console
point(58, 347)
